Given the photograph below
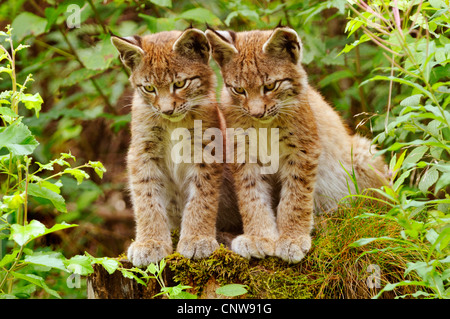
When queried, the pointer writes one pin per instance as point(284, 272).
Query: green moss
point(223, 265)
point(332, 269)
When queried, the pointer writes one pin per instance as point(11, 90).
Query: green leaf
point(428, 179)
point(413, 100)
point(78, 76)
point(98, 57)
point(162, 3)
point(399, 181)
point(441, 115)
point(232, 290)
point(7, 114)
point(26, 24)
point(5, 70)
point(14, 201)
point(42, 192)
point(36, 280)
point(109, 264)
point(400, 80)
point(98, 167)
point(415, 155)
point(365, 241)
point(58, 227)
point(80, 265)
point(437, 4)
point(9, 258)
point(394, 165)
point(131, 275)
point(53, 187)
point(68, 155)
point(445, 261)
point(252, 15)
point(49, 259)
point(442, 182)
point(18, 139)
point(22, 234)
point(183, 295)
point(390, 287)
point(443, 239)
point(24, 292)
point(32, 102)
point(334, 77)
point(152, 268)
point(200, 15)
point(53, 13)
point(79, 174)
point(177, 292)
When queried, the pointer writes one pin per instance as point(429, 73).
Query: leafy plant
point(154, 271)
point(232, 290)
point(414, 36)
point(23, 181)
point(403, 44)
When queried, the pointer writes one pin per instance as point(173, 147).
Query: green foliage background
point(86, 97)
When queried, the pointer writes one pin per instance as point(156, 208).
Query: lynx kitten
point(265, 86)
point(174, 86)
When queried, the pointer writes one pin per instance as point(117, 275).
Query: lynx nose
point(259, 114)
point(167, 112)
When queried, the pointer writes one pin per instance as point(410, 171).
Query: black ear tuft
point(138, 40)
point(232, 35)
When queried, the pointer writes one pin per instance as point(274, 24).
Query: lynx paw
point(142, 254)
point(292, 250)
point(197, 247)
point(252, 246)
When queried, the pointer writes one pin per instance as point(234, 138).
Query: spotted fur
point(277, 209)
point(165, 194)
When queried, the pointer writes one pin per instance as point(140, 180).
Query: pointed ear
point(284, 43)
point(130, 50)
point(193, 44)
point(222, 48)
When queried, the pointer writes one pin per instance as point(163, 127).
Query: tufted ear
point(284, 43)
point(193, 44)
point(221, 43)
point(130, 50)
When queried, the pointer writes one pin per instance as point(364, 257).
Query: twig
point(57, 50)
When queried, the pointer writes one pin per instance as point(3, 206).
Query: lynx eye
point(149, 88)
point(269, 87)
point(179, 84)
point(239, 90)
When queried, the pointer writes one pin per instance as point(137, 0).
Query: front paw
point(197, 247)
point(253, 246)
point(292, 250)
point(143, 253)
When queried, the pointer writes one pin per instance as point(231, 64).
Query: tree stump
point(319, 275)
point(102, 285)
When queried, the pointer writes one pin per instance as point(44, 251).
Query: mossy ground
point(331, 269)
